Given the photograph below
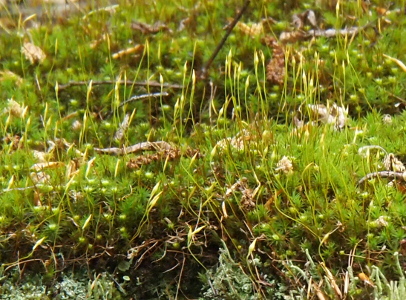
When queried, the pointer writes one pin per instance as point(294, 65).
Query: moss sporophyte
point(254, 146)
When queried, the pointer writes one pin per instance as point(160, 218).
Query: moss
point(251, 168)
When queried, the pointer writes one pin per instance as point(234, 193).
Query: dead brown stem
point(122, 82)
point(144, 146)
point(383, 174)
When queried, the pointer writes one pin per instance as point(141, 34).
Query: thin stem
point(203, 73)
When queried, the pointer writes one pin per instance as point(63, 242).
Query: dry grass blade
point(319, 292)
point(332, 281)
point(397, 61)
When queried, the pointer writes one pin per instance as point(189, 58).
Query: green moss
point(222, 180)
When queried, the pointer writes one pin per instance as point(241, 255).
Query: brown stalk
point(123, 82)
point(204, 70)
point(383, 174)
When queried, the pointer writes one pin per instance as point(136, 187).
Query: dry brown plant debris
point(275, 69)
point(144, 146)
point(33, 53)
point(14, 141)
point(137, 49)
point(285, 165)
point(247, 198)
point(164, 155)
point(164, 151)
point(320, 113)
point(308, 17)
point(395, 170)
point(255, 29)
point(8, 75)
point(243, 140)
point(391, 163)
point(15, 109)
point(149, 84)
point(149, 29)
point(119, 135)
point(329, 114)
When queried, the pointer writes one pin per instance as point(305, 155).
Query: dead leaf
point(269, 203)
point(300, 35)
point(330, 114)
point(297, 21)
point(33, 53)
point(108, 9)
point(365, 4)
point(254, 29)
point(304, 18)
point(161, 155)
point(224, 210)
point(77, 125)
point(311, 18)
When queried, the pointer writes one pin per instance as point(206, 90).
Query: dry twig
point(204, 70)
point(139, 97)
point(384, 174)
point(122, 82)
point(144, 146)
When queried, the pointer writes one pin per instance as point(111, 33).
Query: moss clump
point(118, 154)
